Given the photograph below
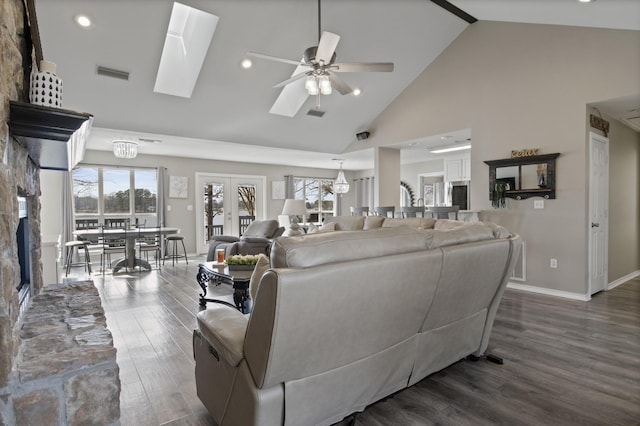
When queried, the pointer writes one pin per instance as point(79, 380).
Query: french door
point(226, 204)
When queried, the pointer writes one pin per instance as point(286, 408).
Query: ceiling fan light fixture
point(325, 84)
point(311, 84)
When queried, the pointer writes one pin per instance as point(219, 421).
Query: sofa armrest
point(252, 240)
point(225, 238)
point(224, 328)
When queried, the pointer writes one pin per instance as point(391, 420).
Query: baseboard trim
point(623, 280)
point(549, 292)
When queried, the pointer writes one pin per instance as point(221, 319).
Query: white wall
point(624, 200)
point(523, 86)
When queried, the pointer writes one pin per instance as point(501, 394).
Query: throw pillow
point(261, 267)
point(312, 229)
point(327, 227)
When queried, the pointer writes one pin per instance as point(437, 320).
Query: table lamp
point(294, 208)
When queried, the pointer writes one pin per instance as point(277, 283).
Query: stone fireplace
point(57, 360)
point(19, 177)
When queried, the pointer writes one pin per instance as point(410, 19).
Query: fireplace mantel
point(54, 137)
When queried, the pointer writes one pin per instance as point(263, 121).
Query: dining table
point(130, 261)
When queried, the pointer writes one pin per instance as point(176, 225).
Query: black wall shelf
point(548, 190)
point(45, 132)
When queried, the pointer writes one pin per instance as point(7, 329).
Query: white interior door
point(598, 212)
point(225, 197)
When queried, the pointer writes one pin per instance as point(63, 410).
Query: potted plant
point(497, 195)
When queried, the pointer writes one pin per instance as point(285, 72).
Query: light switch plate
point(538, 204)
point(190, 207)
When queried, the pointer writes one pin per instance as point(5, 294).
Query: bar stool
point(76, 246)
point(173, 250)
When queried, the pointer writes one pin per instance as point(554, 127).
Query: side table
point(216, 274)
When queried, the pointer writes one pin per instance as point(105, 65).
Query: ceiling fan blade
point(339, 84)
point(274, 58)
point(326, 47)
point(292, 79)
point(291, 98)
point(363, 67)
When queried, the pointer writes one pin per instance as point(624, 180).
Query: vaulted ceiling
point(230, 105)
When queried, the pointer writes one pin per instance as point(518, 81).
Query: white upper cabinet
point(457, 169)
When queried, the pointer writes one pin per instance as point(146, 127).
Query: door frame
point(200, 179)
point(596, 138)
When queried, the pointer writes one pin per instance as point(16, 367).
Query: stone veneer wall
point(66, 370)
point(18, 176)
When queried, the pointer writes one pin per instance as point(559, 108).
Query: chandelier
point(318, 84)
point(125, 148)
point(341, 186)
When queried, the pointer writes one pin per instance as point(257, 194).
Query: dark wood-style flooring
point(565, 362)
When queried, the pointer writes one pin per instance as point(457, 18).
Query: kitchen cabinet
point(457, 169)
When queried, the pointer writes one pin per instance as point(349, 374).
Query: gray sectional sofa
point(343, 319)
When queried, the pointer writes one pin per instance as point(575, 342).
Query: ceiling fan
point(319, 69)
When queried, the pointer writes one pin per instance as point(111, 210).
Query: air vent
point(315, 113)
point(110, 72)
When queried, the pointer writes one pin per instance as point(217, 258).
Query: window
point(102, 195)
point(318, 196)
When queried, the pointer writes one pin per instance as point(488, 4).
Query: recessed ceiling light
point(83, 21)
point(246, 63)
point(586, 1)
point(356, 92)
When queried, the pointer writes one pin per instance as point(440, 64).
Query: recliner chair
point(255, 240)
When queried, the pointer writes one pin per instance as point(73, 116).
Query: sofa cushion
point(414, 222)
point(373, 222)
point(332, 247)
point(224, 329)
point(346, 223)
point(446, 224)
point(327, 227)
point(460, 235)
point(261, 266)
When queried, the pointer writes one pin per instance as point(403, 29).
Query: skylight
point(188, 38)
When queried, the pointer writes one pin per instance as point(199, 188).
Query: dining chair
point(359, 211)
point(149, 243)
point(411, 211)
point(110, 245)
point(386, 211)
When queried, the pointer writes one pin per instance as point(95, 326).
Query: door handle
point(595, 225)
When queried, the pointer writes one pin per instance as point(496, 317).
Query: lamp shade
point(294, 207)
point(125, 149)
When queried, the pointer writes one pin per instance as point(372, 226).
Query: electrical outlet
point(553, 263)
point(538, 204)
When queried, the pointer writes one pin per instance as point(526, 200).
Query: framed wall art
point(178, 186)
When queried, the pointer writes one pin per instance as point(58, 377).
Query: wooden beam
point(455, 10)
point(35, 31)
